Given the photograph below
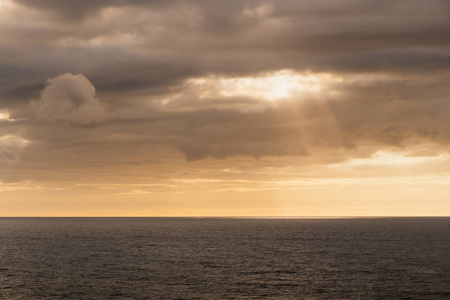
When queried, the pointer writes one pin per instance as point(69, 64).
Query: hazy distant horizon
point(232, 217)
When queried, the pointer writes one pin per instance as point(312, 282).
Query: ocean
point(224, 258)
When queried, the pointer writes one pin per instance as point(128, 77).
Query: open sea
point(224, 258)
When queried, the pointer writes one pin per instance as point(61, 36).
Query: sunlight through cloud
point(4, 116)
point(384, 158)
point(271, 86)
point(5, 5)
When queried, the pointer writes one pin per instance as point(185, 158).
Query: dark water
point(176, 258)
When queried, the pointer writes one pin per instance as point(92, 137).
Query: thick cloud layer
point(325, 81)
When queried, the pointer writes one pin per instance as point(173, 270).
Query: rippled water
point(183, 258)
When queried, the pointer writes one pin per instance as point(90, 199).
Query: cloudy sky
point(237, 108)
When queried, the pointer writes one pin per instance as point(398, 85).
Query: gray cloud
point(390, 62)
point(10, 148)
point(69, 98)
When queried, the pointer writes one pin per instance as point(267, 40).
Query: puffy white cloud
point(69, 98)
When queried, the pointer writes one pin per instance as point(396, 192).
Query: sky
point(224, 108)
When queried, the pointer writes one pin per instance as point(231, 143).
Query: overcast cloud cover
point(89, 88)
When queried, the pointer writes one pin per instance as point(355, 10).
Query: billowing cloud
point(69, 98)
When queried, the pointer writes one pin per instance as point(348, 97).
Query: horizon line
point(239, 217)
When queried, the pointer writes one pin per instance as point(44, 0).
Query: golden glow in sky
point(224, 108)
point(384, 158)
point(272, 86)
point(4, 3)
point(4, 116)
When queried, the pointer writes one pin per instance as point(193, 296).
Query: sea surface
point(224, 258)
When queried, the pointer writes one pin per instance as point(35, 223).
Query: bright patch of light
point(4, 116)
point(5, 4)
point(383, 158)
point(260, 11)
point(284, 84)
point(13, 141)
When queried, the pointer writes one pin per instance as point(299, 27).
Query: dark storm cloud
point(137, 61)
